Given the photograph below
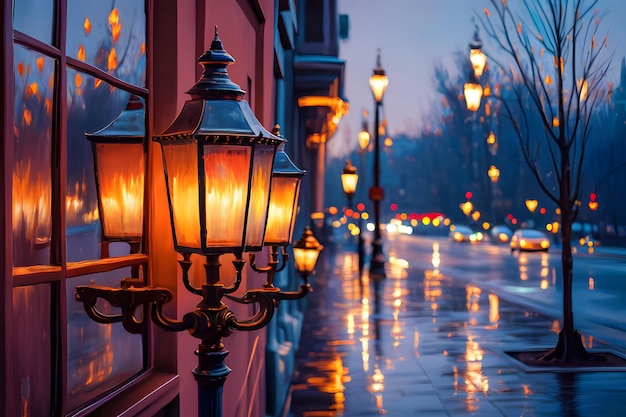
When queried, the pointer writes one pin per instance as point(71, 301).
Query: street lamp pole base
point(377, 264)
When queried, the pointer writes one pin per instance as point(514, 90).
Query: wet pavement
point(423, 344)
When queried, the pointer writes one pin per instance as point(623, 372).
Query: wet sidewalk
point(423, 344)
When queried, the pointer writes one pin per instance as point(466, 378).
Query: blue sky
point(413, 36)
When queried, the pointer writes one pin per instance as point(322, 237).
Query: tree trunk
point(569, 348)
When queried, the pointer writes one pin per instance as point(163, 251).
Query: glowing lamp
point(364, 139)
point(119, 161)
point(477, 57)
point(473, 93)
point(378, 81)
point(349, 180)
point(281, 216)
point(531, 205)
point(494, 173)
point(218, 162)
point(305, 253)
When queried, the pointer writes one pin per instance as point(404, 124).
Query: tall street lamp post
point(364, 141)
point(378, 83)
point(220, 165)
point(473, 93)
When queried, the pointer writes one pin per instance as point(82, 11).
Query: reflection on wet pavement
point(420, 344)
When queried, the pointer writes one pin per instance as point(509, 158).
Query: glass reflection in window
point(110, 36)
point(34, 18)
point(92, 105)
point(31, 179)
point(31, 349)
point(100, 356)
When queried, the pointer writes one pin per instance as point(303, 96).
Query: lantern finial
point(215, 82)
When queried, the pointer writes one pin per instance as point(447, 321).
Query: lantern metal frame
point(211, 320)
point(284, 168)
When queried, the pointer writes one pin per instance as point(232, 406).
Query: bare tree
point(556, 62)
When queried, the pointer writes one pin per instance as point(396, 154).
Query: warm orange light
point(120, 170)
point(116, 26)
point(282, 210)
point(40, 62)
point(479, 61)
point(475, 215)
point(112, 60)
point(494, 173)
point(555, 121)
point(491, 139)
point(467, 207)
point(349, 179)
point(378, 81)
point(473, 93)
point(531, 205)
point(306, 252)
point(364, 139)
point(81, 53)
point(593, 205)
point(87, 26)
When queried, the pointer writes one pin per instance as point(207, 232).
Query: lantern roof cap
point(379, 70)
point(283, 165)
point(215, 82)
point(308, 241)
point(128, 127)
point(349, 168)
point(216, 111)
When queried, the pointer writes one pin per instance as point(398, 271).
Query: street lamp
point(349, 180)
point(494, 175)
point(281, 216)
point(119, 161)
point(218, 162)
point(378, 83)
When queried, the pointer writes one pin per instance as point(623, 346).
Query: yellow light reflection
point(494, 308)
point(472, 296)
point(592, 283)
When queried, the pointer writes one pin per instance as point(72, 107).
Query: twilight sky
point(413, 36)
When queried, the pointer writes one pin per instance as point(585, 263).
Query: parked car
point(465, 234)
point(501, 234)
point(529, 239)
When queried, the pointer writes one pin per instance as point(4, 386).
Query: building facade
point(69, 69)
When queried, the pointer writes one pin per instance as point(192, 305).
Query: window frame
point(156, 389)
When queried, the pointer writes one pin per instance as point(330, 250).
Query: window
point(74, 70)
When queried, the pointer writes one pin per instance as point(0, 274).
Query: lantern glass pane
point(305, 259)
point(259, 195)
point(120, 182)
point(32, 157)
point(282, 210)
point(349, 182)
point(473, 93)
point(379, 83)
point(181, 164)
point(226, 175)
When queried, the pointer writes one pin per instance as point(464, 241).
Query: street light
point(218, 162)
point(119, 162)
point(349, 180)
point(378, 83)
point(281, 216)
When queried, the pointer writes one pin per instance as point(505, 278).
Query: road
point(531, 278)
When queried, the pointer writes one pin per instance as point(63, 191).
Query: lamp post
point(494, 175)
point(364, 141)
point(378, 83)
point(473, 93)
point(218, 162)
